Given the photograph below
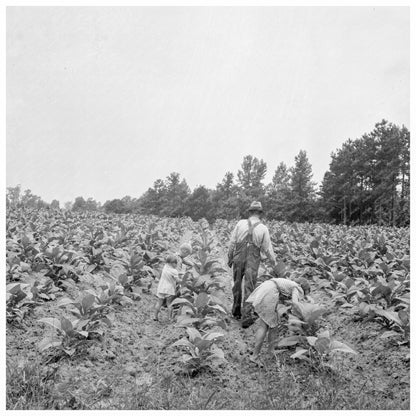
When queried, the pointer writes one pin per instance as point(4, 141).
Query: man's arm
point(233, 242)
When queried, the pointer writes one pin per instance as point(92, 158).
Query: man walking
point(249, 238)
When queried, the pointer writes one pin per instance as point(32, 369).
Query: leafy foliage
point(201, 311)
point(104, 261)
point(317, 350)
point(312, 345)
point(202, 350)
point(74, 333)
point(18, 304)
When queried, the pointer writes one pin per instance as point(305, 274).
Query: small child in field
point(166, 290)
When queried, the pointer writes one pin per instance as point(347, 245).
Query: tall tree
point(281, 177)
point(388, 140)
point(251, 176)
point(340, 190)
point(166, 198)
point(225, 198)
point(153, 200)
point(199, 204)
point(115, 205)
point(91, 204)
point(403, 216)
point(177, 191)
point(30, 200)
point(55, 204)
point(79, 204)
point(278, 193)
point(13, 196)
point(302, 189)
point(227, 186)
point(368, 180)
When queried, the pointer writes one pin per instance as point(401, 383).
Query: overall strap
point(251, 227)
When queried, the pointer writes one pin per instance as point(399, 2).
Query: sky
point(101, 102)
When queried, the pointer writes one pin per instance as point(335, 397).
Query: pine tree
point(278, 193)
point(368, 181)
point(251, 175)
point(225, 203)
point(250, 180)
point(302, 189)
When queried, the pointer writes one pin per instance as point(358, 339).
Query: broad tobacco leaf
point(312, 340)
point(87, 301)
point(181, 301)
point(299, 353)
point(339, 346)
point(64, 302)
point(202, 344)
point(66, 326)
point(381, 290)
point(201, 300)
point(217, 353)
point(182, 342)
point(389, 334)
point(193, 333)
point(322, 344)
point(389, 315)
point(185, 320)
point(48, 343)
point(213, 336)
point(54, 322)
point(308, 312)
point(289, 341)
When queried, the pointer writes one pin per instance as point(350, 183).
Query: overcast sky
point(101, 102)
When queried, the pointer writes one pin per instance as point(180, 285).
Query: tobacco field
point(80, 334)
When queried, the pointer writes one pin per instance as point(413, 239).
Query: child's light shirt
point(287, 288)
point(167, 282)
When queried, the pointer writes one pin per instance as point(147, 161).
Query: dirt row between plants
point(135, 367)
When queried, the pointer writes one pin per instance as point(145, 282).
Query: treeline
point(368, 182)
point(16, 198)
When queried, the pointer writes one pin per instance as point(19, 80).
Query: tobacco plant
point(73, 334)
point(190, 284)
point(312, 346)
point(318, 350)
point(202, 311)
point(18, 302)
point(60, 264)
point(201, 351)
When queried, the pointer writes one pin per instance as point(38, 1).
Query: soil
point(134, 366)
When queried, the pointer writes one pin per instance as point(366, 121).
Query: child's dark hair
point(304, 284)
point(172, 259)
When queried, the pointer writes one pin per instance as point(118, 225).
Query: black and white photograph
point(207, 207)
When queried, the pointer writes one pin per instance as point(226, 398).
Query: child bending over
point(265, 299)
